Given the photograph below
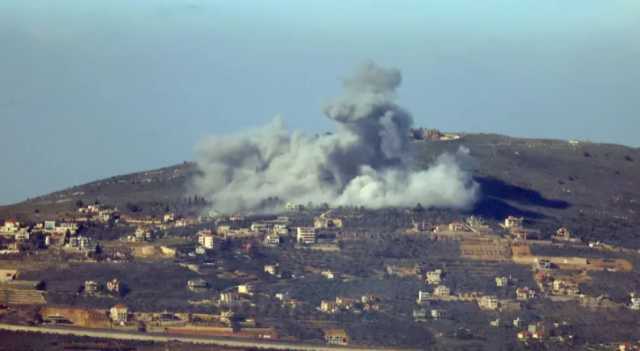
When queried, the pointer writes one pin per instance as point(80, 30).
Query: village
point(308, 275)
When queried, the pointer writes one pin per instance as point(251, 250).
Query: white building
point(21, 235)
point(65, 227)
point(306, 235)
point(328, 274)
point(437, 314)
point(206, 239)
point(169, 217)
point(271, 269)
point(502, 281)
point(513, 222)
point(634, 302)
point(119, 314)
point(441, 290)
point(261, 227)
point(281, 229)
point(10, 226)
point(488, 302)
point(434, 277)
point(228, 298)
point(423, 297)
point(272, 240)
point(245, 289)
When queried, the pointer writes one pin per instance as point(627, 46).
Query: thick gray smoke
point(366, 162)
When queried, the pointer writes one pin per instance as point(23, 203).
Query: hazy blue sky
point(90, 89)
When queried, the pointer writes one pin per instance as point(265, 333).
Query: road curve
point(218, 341)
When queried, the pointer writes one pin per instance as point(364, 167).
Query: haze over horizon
point(93, 89)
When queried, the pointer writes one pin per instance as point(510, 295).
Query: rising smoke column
point(366, 162)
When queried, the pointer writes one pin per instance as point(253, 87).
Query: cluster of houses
point(273, 232)
point(226, 323)
point(167, 221)
point(113, 286)
point(366, 303)
point(97, 213)
point(44, 234)
point(142, 234)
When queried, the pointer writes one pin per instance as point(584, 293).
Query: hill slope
point(592, 188)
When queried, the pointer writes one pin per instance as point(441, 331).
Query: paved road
point(228, 342)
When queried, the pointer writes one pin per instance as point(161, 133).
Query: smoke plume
point(367, 161)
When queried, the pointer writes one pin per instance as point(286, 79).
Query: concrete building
point(437, 314)
point(325, 222)
point(336, 337)
point(245, 289)
point(91, 287)
point(49, 226)
point(271, 240)
point(525, 294)
point(513, 222)
point(271, 269)
point(280, 229)
point(306, 235)
point(119, 314)
point(420, 315)
point(442, 291)
point(488, 302)
point(423, 297)
point(10, 226)
point(328, 306)
point(434, 277)
point(21, 235)
point(197, 284)
point(169, 217)
point(7, 275)
point(565, 287)
point(206, 239)
point(114, 286)
point(328, 274)
point(634, 302)
point(345, 302)
point(502, 281)
point(228, 298)
point(261, 227)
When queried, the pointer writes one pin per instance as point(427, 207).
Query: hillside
point(591, 188)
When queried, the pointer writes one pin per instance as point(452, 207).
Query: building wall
point(90, 318)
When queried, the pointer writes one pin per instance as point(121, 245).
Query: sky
point(92, 89)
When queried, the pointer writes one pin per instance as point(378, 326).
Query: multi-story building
point(206, 239)
point(306, 235)
point(119, 314)
point(488, 302)
point(228, 298)
point(328, 306)
point(336, 337)
point(423, 297)
point(442, 291)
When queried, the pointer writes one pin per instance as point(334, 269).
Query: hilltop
point(590, 187)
